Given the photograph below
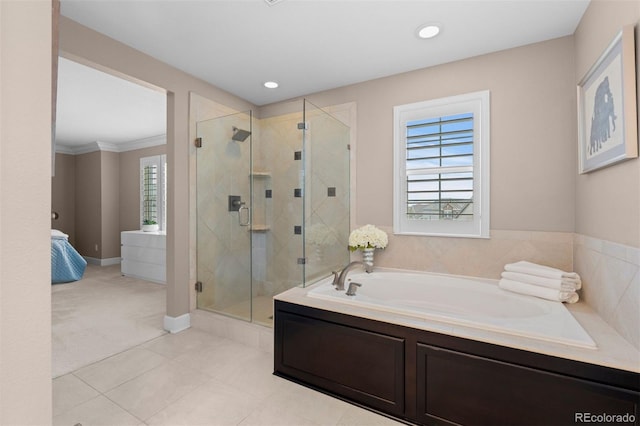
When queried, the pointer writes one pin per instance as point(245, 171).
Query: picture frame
point(607, 108)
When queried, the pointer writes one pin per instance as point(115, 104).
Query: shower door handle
point(245, 208)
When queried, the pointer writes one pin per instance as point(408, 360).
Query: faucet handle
point(353, 286)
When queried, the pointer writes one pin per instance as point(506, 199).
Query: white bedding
point(58, 235)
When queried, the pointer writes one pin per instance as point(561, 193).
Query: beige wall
point(88, 204)
point(25, 375)
point(532, 132)
point(608, 200)
point(25, 204)
point(607, 241)
point(107, 182)
point(63, 195)
point(531, 190)
point(129, 213)
point(84, 45)
point(533, 158)
point(110, 204)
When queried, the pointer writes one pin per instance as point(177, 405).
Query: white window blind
point(153, 189)
point(441, 167)
point(150, 192)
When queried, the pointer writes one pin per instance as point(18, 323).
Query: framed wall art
point(607, 111)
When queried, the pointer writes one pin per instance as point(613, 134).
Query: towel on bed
point(66, 263)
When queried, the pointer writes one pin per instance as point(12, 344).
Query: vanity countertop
point(613, 350)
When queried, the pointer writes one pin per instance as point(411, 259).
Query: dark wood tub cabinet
point(427, 378)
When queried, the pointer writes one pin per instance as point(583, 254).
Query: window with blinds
point(439, 167)
point(441, 162)
point(153, 190)
point(150, 193)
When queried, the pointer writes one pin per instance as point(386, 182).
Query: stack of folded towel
point(541, 281)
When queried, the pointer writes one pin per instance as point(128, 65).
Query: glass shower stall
point(272, 207)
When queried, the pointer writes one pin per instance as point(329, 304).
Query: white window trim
point(159, 161)
point(479, 104)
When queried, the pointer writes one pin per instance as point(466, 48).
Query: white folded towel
point(537, 291)
point(564, 284)
point(525, 267)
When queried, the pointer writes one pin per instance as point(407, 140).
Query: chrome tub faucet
point(340, 277)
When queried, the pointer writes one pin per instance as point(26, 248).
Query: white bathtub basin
point(471, 302)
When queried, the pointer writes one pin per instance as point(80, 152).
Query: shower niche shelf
point(259, 228)
point(261, 205)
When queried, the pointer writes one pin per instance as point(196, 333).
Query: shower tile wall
point(327, 198)
point(274, 153)
point(289, 207)
point(278, 151)
point(222, 170)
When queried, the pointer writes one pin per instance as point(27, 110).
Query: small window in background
point(441, 152)
point(153, 179)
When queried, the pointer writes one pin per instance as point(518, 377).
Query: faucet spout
point(339, 282)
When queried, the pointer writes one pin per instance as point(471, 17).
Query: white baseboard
point(102, 262)
point(177, 324)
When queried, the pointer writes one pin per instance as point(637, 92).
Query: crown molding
point(111, 147)
point(144, 143)
point(64, 149)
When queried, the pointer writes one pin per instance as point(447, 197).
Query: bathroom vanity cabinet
point(435, 379)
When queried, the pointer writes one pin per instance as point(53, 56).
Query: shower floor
point(262, 310)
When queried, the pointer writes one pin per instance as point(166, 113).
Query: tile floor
point(259, 308)
point(194, 378)
point(102, 315)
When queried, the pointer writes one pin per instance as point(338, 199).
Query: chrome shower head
point(240, 135)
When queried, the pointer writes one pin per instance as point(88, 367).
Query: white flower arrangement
point(367, 236)
point(321, 235)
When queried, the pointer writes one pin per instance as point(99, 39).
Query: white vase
point(150, 228)
point(367, 256)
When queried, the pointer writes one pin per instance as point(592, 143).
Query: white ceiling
point(309, 45)
point(94, 106)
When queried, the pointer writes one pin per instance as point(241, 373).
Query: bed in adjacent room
point(66, 263)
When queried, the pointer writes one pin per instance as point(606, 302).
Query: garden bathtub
point(472, 302)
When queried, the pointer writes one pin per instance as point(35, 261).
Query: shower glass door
point(224, 215)
point(326, 193)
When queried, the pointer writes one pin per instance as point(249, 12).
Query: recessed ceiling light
point(270, 84)
point(428, 31)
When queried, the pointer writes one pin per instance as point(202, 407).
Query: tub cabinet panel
point(431, 378)
point(467, 389)
point(363, 365)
